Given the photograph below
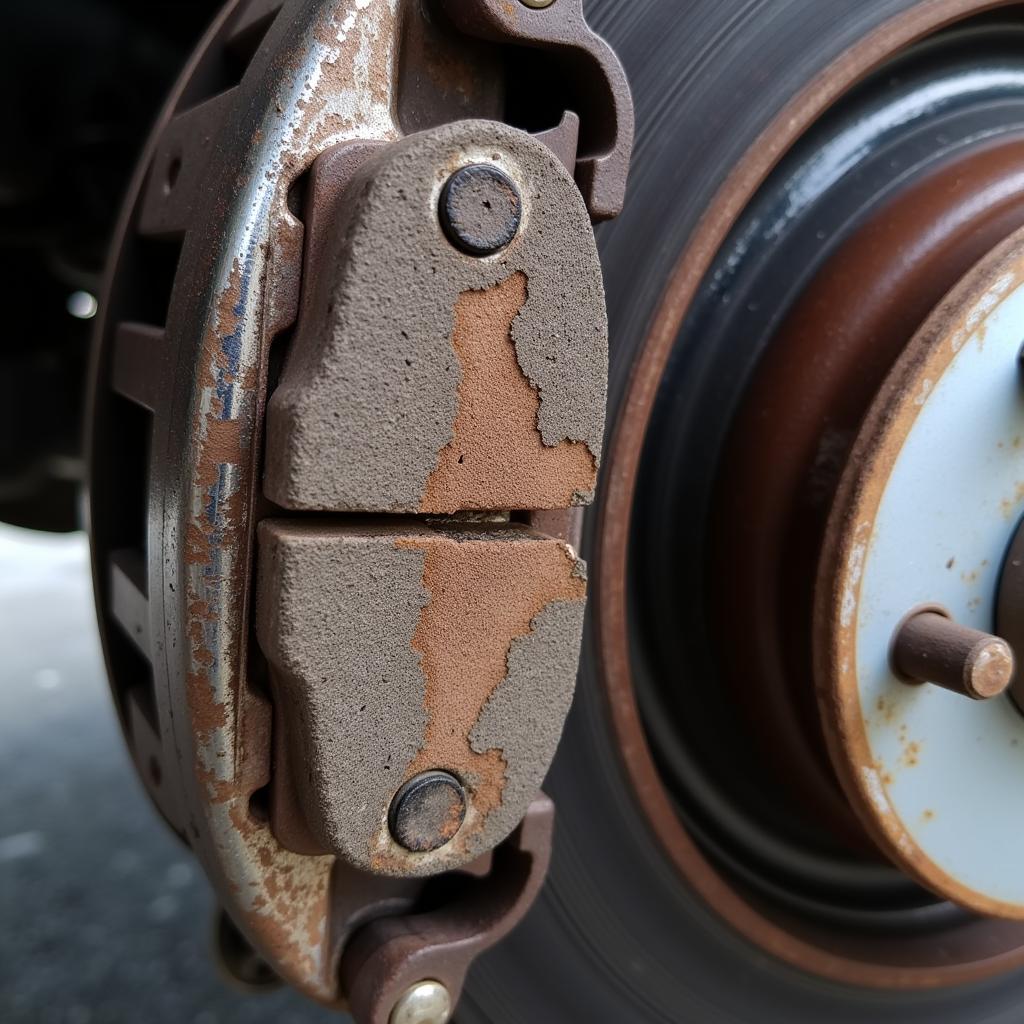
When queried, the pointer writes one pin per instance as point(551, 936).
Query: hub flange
point(923, 517)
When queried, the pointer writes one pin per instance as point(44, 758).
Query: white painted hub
point(924, 515)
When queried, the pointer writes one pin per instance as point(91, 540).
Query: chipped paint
point(364, 416)
point(483, 597)
point(854, 571)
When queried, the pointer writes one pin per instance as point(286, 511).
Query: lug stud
point(427, 1002)
point(929, 647)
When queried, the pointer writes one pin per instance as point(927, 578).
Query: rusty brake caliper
point(348, 399)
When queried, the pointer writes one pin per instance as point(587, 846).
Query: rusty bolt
point(480, 209)
point(929, 647)
point(427, 811)
point(427, 1002)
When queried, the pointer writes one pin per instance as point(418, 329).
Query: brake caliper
point(348, 402)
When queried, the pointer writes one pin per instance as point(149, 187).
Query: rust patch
point(483, 594)
point(911, 754)
point(1010, 506)
point(496, 450)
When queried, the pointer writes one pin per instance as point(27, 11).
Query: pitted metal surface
point(380, 405)
point(224, 320)
point(399, 649)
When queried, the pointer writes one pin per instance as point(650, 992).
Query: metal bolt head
point(537, 5)
point(427, 1002)
point(480, 209)
point(427, 811)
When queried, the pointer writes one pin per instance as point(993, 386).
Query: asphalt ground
point(104, 917)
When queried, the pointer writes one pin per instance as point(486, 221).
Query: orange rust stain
point(911, 754)
point(888, 710)
point(496, 458)
point(290, 903)
point(928, 815)
point(208, 716)
point(1009, 505)
point(286, 911)
point(483, 594)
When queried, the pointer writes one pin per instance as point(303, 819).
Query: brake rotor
point(811, 889)
point(787, 864)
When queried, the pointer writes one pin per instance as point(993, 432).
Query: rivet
point(427, 811)
point(481, 209)
point(427, 1002)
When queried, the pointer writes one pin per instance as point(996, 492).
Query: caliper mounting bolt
point(427, 811)
point(427, 1002)
point(480, 209)
point(929, 647)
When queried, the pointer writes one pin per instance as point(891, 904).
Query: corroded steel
point(393, 953)
point(602, 96)
point(427, 812)
point(929, 647)
point(481, 209)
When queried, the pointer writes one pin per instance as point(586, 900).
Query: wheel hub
point(923, 517)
